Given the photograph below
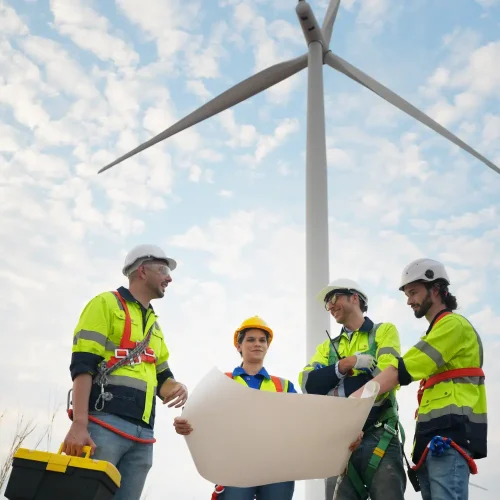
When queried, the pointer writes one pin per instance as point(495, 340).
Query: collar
point(365, 327)
point(125, 293)
point(239, 371)
point(439, 315)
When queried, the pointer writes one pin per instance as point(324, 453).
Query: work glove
point(365, 362)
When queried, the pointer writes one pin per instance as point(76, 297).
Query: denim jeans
point(133, 460)
point(389, 480)
point(445, 477)
point(275, 491)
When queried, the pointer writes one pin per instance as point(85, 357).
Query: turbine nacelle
point(309, 24)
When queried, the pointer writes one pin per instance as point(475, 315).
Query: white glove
point(365, 362)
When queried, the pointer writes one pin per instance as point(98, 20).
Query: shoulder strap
point(373, 334)
point(125, 342)
point(278, 383)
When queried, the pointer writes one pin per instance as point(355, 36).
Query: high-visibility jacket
point(266, 382)
point(380, 340)
point(453, 408)
point(97, 336)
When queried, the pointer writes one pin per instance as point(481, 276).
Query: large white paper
point(244, 437)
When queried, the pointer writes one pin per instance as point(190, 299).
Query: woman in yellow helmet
point(252, 340)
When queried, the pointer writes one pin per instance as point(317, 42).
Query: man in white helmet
point(119, 364)
point(451, 428)
point(340, 367)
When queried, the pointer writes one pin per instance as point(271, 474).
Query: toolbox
point(39, 475)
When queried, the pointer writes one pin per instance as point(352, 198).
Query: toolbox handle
point(86, 450)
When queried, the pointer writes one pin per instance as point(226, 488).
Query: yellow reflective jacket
point(380, 340)
point(454, 408)
point(98, 334)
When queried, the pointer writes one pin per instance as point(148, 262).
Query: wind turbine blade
point(328, 22)
point(357, 75)
point(243, 90)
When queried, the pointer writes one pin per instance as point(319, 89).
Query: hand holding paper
point(284, 436)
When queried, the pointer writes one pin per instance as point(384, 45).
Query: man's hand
point(175, 393)
point(354, 446)
point(347, 364)
point(365, 362)
point(182, 426)
point(78, 436)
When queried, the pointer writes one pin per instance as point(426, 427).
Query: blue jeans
point(275, 491)
point(445, 477)
point(133, 460)
point(389, 480)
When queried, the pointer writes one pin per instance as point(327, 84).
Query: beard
point(423, 308)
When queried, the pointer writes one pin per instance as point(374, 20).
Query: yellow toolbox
point(39, 475)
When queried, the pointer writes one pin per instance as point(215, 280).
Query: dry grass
point(24, 429)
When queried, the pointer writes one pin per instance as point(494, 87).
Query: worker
point(451, 429)
point(252, 340)
point(342, 365)
point(119, 363)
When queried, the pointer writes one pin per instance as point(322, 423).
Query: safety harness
point(129, 353)
point(218, 490)
point(438, 444)
point(388, 419)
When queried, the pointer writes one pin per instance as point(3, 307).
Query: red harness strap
point(148, 356)
point(115, 429)
point(470, 462)
point(279, 388)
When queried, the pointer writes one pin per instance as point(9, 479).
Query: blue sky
point(83, 82)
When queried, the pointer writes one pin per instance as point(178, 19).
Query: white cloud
point(10, 22)
point(268, 143)
point(198, 88)
point(90, 31)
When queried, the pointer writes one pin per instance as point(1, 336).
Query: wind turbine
point(318, 54)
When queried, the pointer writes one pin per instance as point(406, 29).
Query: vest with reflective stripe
point(276, 384)
point(100, 331)
point(455, 408)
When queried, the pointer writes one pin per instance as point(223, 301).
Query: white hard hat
point(423, 270)
point(143, 253)
point(342, 284)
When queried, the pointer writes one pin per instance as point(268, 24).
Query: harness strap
point(437, 445)
point(114, 429)
point(446, 375)
point(217, 492)
point(145, 354)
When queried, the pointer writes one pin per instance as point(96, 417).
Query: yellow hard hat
point(253, 322)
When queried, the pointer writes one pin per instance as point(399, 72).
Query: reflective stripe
point(465, 380)
point(476, 418)
point(97, 337)
point(480, 344)
point(110, 346)
point(131, 382)
point(376, 371)
point(118, 302)
point(388, 350)
point(162, 367)
point(432, 352)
